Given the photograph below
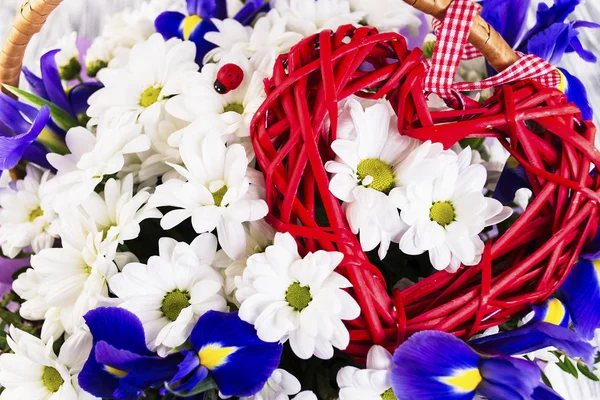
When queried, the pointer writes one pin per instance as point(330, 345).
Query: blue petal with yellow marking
point(120, 365)
point(552, 311)
point(543, 392)
point(508, 378)
point(536, 336)
point(577, 94)
point(229, 348)
point(435, 365)
point(581, 294)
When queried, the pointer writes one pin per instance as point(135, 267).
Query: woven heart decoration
point(292, 134)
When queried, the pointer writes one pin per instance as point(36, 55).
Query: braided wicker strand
point(29, 20)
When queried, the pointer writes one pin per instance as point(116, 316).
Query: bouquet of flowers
point(290, 199)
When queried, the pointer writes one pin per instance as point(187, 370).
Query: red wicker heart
point(294, 128)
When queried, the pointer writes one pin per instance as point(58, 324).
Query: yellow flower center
point(298, 297)
point(150, 96)
point(442, 212)
point(389, 395)
point(174, 302)
point(235, 107)
point(219, 194)
point(52, 379)
point(35, 213)
point(380, 173)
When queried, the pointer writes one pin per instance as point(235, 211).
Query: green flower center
point(174, 302)
point(381, 173)
point(52, 379)
point(94, 67)
point(219, 194)
point(71, 70)
point(83, 119)
point(298, 297)
point(442, 212)
point(150, 96)
point(428, 48)
point(35, 213)
point(389, 395)
point(235, 107)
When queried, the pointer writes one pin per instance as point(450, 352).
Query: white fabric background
point(88, 16)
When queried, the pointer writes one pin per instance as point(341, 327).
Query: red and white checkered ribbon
point(452, 46)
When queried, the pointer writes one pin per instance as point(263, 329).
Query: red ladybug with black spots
point(229, 78)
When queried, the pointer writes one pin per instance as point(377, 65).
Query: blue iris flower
point(49, 87)
point(21, 129)
point(551, 38)
point(581, 295)
point(198, 22)
point(120, 365)
point(436, 365)
point(227, 351)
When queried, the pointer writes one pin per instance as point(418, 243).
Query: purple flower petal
point(12, 148)
point(508, 378)
point(581, 294)
point(532, 337)
point(52, 82)
point(508, 17)
point(425, 364)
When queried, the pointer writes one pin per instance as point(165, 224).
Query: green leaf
point(546, 380)
point(62, 118)
point(567, 366)
point(204, 386)
point(475, 143)
point(586, 372)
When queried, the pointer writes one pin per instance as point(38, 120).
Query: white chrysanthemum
point(269, 37)
point(372, 159)
point(98, 56)
point(35, 372)
point(136, 92)
point(447, 214)
point(217, 193)
point(300, 299)
point(71, 280)
point(117, 211)
point(259, 235)
point(92, 158)
point(208, 110)
point(23, 220)
point(372, 383)
point(310, 16)
point(172, 291)
point(67, 59)
point(280, 386)
point(156, 161)
point(388, 15)
point(36, 308)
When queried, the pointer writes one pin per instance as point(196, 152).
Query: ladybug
point(229, 77)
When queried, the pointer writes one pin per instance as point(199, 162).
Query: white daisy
point(300, 299)
point(310, 16)
point(172, 291)
point(155, 162)
point(208, 110)
point(35, 307)
point(280, 386)
point(92, 158)
point(372, 383)
point(388, 15)
point(71, 280)
point(372, 159)
point(67, 59)
point(35, 372)
point(269, 37)
point(217, 194)
point(23, 220)
point(98, 56)
point(259, 235)
point(447, 214)
point(137, 91)
point(117, 211)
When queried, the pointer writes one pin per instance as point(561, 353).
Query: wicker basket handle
point(33, 14)
point(483, 37)
point(29, 20)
